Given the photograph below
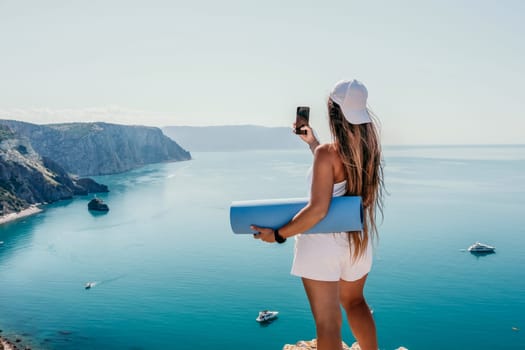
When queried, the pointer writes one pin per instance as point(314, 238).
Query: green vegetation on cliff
point(9, 202)
point(6, 133)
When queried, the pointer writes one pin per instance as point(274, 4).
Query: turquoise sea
point(171, 275)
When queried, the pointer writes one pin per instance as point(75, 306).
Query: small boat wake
point(89, 285)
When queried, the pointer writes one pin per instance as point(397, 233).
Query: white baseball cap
point(351, 96)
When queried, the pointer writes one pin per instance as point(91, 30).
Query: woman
point(334, 266)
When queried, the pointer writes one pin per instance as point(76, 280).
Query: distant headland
point(233, 138)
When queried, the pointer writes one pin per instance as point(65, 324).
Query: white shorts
point(327, 257)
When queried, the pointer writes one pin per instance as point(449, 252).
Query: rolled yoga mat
point(345, 214)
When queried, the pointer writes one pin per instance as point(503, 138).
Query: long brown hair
point(359, 148)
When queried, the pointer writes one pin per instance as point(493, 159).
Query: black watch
point(278, 238)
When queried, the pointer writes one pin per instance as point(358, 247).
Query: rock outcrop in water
point(27, 178)
point(99, 148)
point(97, 204)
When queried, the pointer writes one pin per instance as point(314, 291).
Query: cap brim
point(357, 116)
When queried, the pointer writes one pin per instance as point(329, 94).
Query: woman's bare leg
point(324, 302)
point(358, 313)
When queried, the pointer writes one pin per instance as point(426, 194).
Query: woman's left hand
point(263, 233)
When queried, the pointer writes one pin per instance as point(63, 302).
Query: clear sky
point(437, 71)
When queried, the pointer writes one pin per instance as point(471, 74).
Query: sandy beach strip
point(33, 209)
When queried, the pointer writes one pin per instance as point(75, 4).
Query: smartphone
point(301, 119)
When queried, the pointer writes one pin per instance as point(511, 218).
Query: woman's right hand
point(309, 137)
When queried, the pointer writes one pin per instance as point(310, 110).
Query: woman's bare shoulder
point(326, 151)
point(327, 154)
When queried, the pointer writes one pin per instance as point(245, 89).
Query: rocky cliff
point(27, 178)
point(99, 148)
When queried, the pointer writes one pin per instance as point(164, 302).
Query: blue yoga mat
point(345, 214)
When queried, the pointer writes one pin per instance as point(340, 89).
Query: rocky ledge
point(312, 345)
point(6, 344)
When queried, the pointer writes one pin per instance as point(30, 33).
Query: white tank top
point(338, 190)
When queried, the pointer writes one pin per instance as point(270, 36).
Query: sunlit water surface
point(170, 273)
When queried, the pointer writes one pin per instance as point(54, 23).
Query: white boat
point(481, 248)
point(90, 284)
point(266, 315)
